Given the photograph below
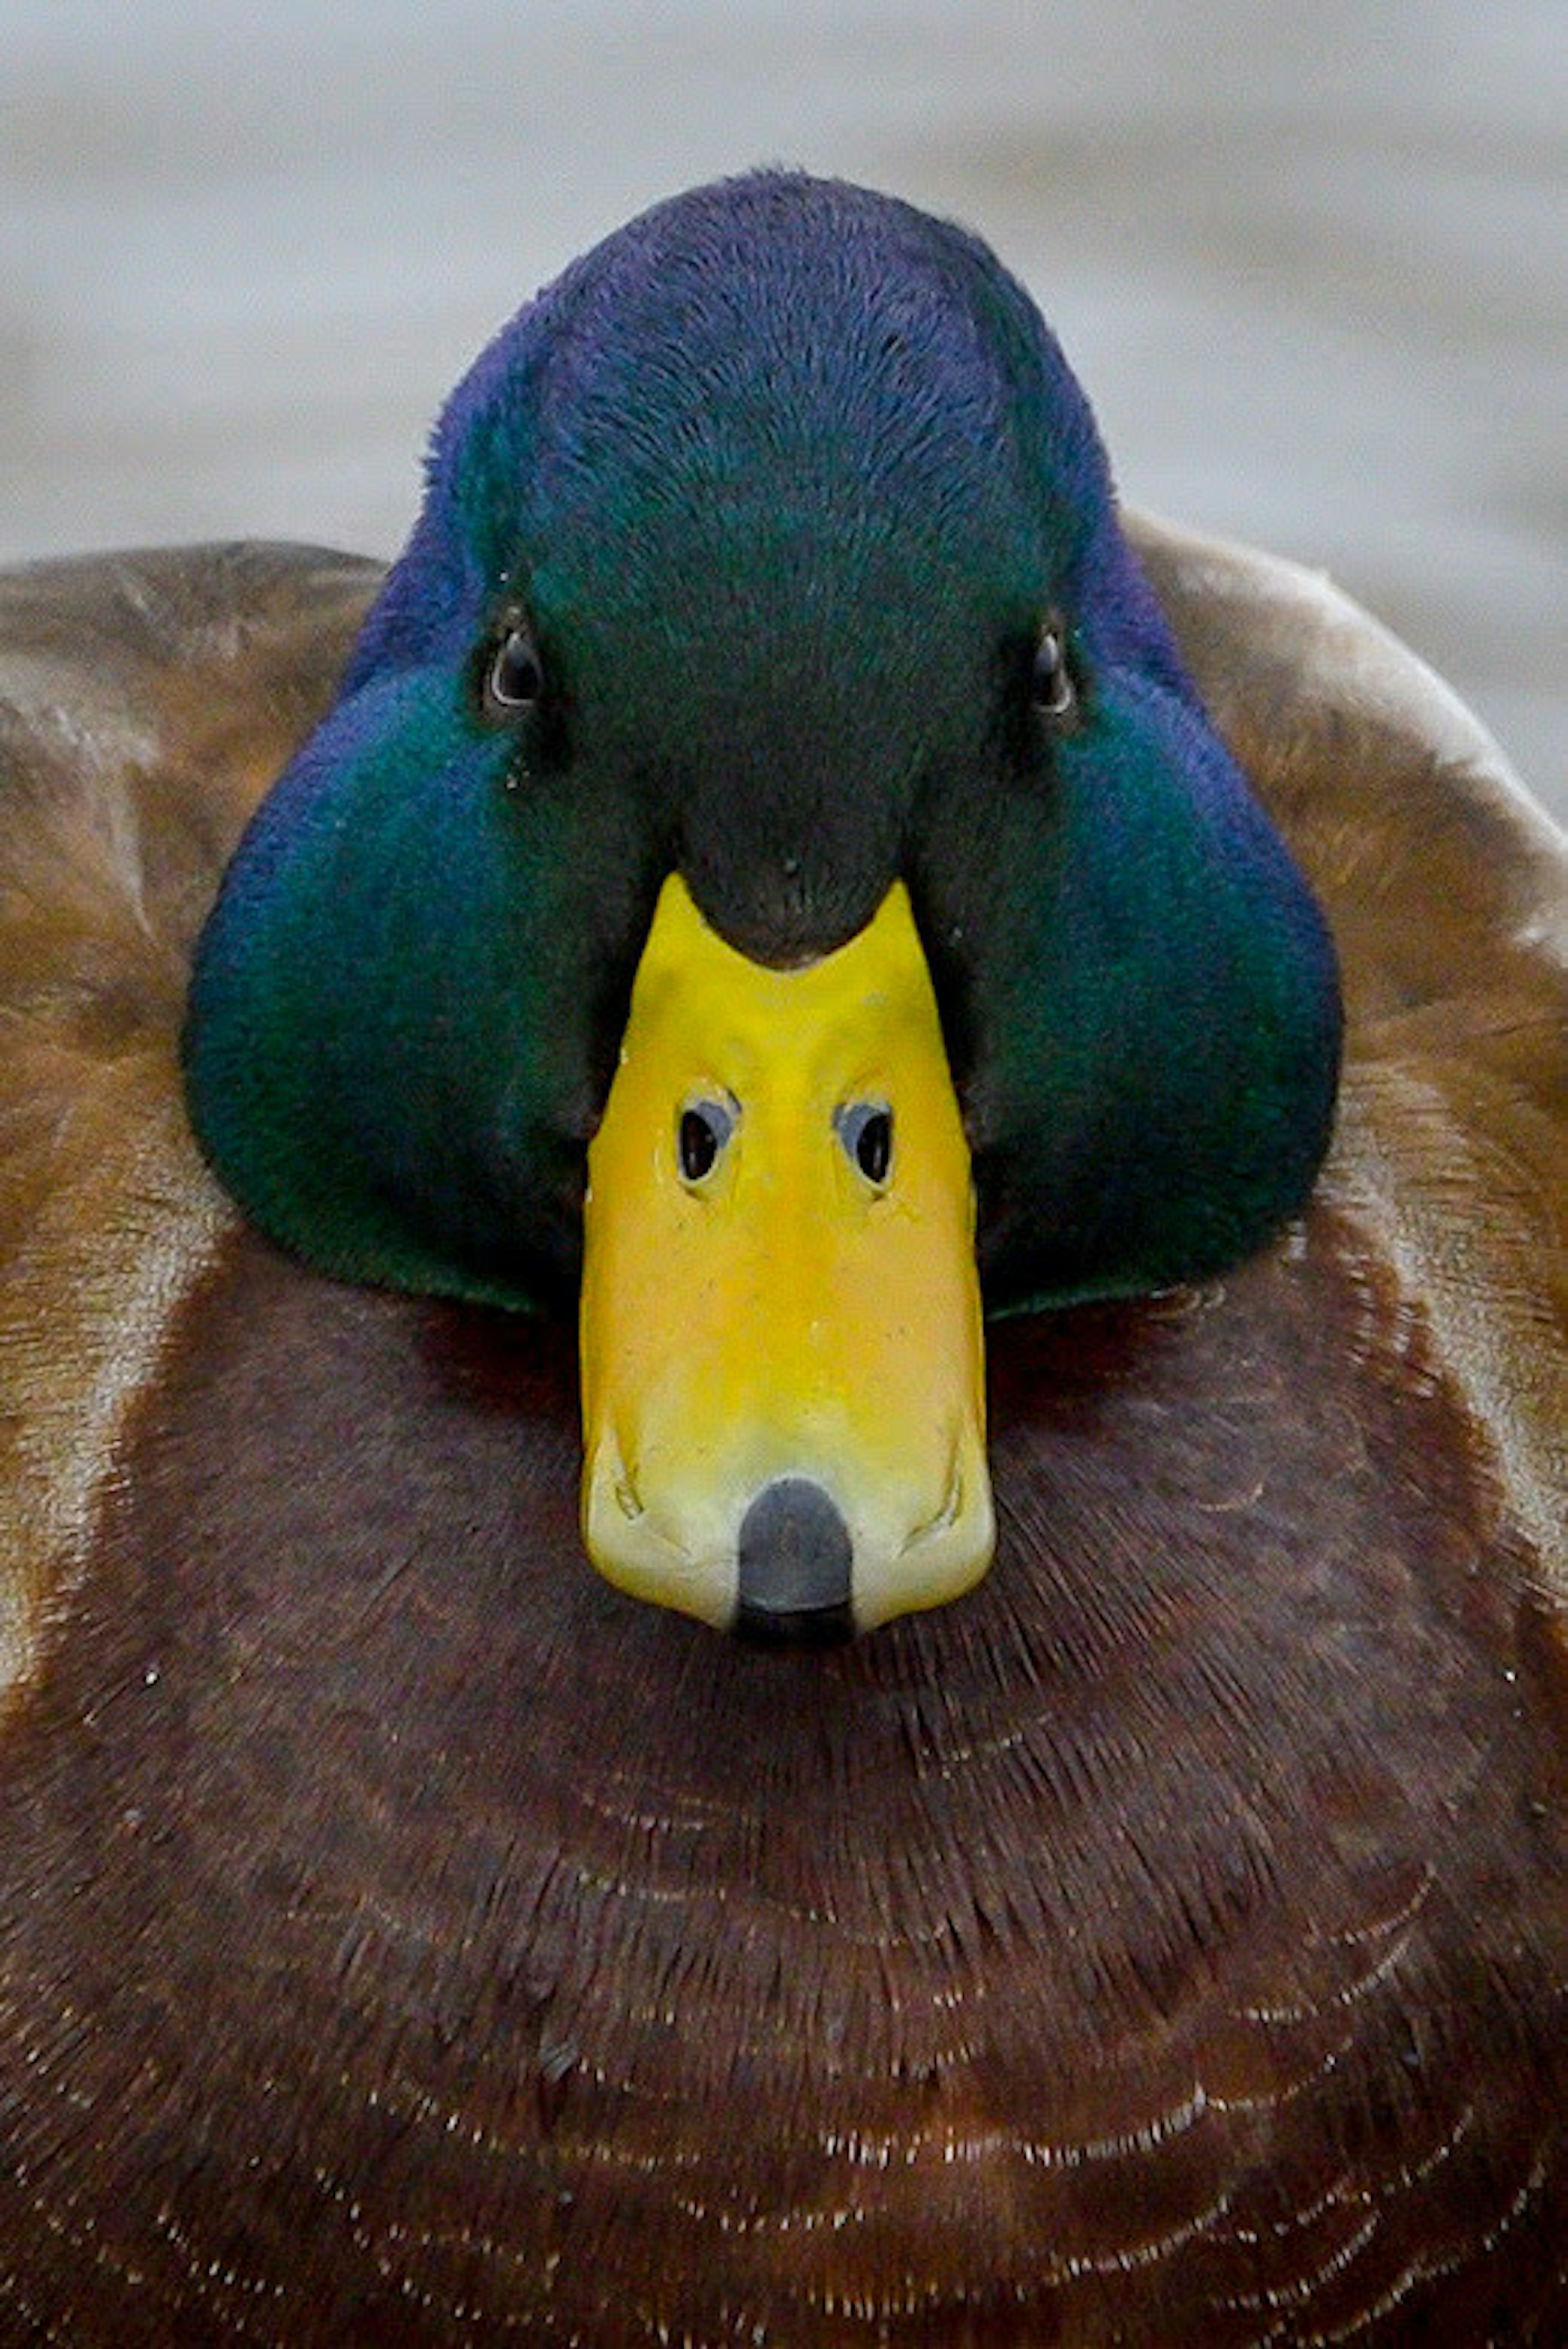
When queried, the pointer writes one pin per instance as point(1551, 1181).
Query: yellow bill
point(783, 1362)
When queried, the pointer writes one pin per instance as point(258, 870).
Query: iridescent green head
point(773, 548)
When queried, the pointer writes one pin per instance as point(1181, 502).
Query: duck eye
point(704, 1128)
point(865, 1131)
point(1051, 683)
point(517, 677)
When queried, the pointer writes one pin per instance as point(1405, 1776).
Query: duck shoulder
point(146, 700)
point(1446, 885)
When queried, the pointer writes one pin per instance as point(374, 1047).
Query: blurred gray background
point(1309, 262)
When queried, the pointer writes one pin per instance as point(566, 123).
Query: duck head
point(768, 877)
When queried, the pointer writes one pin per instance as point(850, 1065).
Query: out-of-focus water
point(1310, 263)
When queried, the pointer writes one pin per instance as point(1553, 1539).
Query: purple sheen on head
point(745, 371)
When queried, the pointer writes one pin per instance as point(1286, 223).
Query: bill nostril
point(796, 1567)
point(703, 1132)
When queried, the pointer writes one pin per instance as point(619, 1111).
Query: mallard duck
point(1046, 1826)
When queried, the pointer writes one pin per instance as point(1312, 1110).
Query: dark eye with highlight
point(1051, 685)
point(515, 679)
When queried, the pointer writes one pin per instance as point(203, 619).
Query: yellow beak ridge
point(782, 1353)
